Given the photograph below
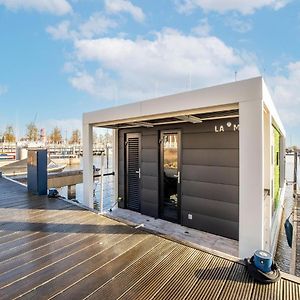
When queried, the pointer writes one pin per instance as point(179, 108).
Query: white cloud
point(96, 25)
point(244, 7)
point(202, 29)
point(286, 93)
point(61, 31)
point(84, 82)
point(170, 62)
point(119, 6)
point(3, 89)
point(57, 7)
point(238, 24)
point(98, 84)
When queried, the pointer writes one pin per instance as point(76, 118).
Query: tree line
point(34, 135)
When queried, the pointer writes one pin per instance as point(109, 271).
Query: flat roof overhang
point(197, 103)
point(219, 98)
point(194, 117)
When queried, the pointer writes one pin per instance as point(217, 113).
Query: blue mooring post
point(37, 177)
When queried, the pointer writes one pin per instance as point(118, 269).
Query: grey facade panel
point(214, 191)
point(213, 157)
point(150, 141)
point(211, 174)
point(213, 225)
point(212, 126)
point(149, 169)
point(150, 155)
point(149, 182)
point(218, 209)
point(149, 209)
point(148, 195)
point(210, 140)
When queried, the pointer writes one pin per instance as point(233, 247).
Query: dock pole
point(101, 184)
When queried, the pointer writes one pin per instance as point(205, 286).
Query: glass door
point(170, 176)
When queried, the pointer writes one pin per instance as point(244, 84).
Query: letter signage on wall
point(226, 127)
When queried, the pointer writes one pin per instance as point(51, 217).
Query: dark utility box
point(37, 178)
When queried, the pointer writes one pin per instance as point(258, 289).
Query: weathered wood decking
point(53, 249)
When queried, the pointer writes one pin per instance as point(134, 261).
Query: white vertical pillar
point(115, 163)
point(251, 209)
point(268, 171)
point(88, 180)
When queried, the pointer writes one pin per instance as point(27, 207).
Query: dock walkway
point(54, 249)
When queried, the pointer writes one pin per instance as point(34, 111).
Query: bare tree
point(32, 132)
point(107, 139)
point(55, 136)
point(9, 135)
point(75, 138)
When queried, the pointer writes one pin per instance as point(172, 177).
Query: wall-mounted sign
point(226, 127)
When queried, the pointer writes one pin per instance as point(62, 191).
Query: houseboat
point(210, 159)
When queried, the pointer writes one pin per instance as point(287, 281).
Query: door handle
point(178, 177)
point(138, 172)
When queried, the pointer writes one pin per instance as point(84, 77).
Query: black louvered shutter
point(133, 171)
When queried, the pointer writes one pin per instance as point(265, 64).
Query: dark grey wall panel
point(211, 126)
point(149, 209)
point(212, 208)
point(149, 195)
point(149, 169)
point(150, 155)
point(213, 225)
point(225, 140)
point(214, 191)
point(150, 141)
point(149, 182)
point(211, 174)
point(213, 157)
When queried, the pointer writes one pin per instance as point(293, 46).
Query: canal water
point(108, 184)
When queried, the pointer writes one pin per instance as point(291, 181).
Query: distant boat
point(19, 168)
point(7, 156)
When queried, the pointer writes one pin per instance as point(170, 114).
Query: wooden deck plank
point(239, 285)
point(183, 280)
point(91, 256)
point(35, 263)
point(158, 274)
point(9, 241)
point(211, 280)
point(50, 248)
point(83, 280)
point(36, 240)
point(122, 282)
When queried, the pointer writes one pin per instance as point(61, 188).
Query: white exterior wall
point(268, 174)
point(251, 211)
point(88, 180)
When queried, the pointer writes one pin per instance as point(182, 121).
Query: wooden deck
point(53, 249)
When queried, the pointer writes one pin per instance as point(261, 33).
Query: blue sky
point(60, 58)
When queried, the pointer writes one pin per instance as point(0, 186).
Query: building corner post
point(251, 191)
point(88, 181)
